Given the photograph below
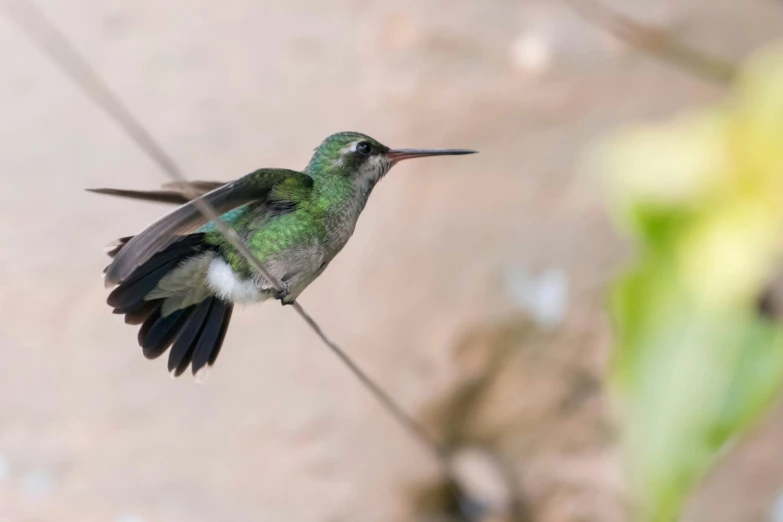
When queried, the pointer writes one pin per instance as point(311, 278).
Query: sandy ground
point(91, 431)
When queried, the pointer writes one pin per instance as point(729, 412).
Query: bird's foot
point(283, 293)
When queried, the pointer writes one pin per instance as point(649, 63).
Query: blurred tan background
point(487, 271)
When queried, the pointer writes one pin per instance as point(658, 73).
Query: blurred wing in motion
point(254, 187)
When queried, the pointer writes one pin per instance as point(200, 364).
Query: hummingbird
point(180, 278)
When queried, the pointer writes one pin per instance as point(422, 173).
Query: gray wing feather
point(166, 230)
point(176, 193)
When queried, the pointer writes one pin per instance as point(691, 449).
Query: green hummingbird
point(180, 278)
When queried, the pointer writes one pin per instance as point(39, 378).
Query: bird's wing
point(257, 186)
point(177, 193)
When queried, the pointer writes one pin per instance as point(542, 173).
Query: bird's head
point(363, 158)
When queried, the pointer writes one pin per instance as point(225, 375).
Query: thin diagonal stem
point(383, 397)
point(53, 43)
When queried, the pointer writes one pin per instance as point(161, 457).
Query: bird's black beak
point(403, 154)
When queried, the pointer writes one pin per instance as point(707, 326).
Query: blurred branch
point(655, 42)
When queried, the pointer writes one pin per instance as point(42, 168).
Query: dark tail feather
point(212, 334)
point(162, 331)
point(201, 337)
point(182, 352)
point(141, 313)
point(224, 328)
point(196, 332)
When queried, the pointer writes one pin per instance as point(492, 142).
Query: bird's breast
point(341, 225)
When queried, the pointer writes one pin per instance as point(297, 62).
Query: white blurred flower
point(544, 296)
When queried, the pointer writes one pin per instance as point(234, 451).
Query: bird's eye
point(363, 148)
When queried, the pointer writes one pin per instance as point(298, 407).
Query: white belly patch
point(226, 285)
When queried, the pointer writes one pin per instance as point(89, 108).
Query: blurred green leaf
point(694, 364)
